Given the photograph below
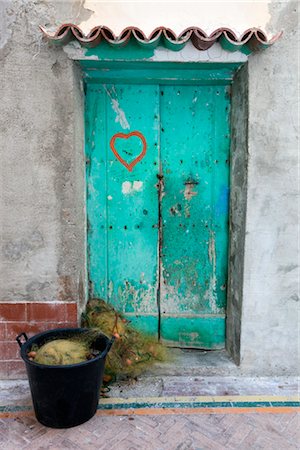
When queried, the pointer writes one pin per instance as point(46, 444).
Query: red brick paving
point(253, 431)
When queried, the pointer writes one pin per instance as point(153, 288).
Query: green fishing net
point(133, 351)
point(62, 352)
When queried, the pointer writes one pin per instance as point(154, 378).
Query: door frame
point(206, 74)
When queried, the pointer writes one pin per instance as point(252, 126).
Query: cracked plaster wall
point(270, 313)
point(42, 215)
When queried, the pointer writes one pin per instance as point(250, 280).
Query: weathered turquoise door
point(122, 198)
point(157, 202)
point(194, 207)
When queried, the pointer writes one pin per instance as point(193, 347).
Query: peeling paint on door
point(129, 187)
point(211, 294)
point(189, 191)
point(120, 114)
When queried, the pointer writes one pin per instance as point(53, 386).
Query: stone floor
point(180, 431)
point(200, 401)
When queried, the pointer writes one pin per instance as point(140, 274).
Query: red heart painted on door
point(131, 165)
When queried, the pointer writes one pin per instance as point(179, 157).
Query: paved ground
point(179, 431)
point(154, 423)
point(205, 403)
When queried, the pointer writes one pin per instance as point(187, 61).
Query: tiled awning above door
point(239, 26)
point(251, 40)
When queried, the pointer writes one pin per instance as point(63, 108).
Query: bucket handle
point(108, 347)
point(18, 339)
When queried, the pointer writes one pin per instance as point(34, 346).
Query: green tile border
point(14, 409)
point(174, 405)
point(165, 404)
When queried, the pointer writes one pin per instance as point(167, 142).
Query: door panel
point(157, 251)
point(194, 159)
point(123, 205)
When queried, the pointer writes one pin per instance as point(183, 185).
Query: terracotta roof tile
point(252, 39)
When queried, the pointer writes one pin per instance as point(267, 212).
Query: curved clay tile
point(251, 40)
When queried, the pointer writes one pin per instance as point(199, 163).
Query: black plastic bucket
point(65, 396)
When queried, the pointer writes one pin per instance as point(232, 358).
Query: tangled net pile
point(62, 352)
point(132, 352)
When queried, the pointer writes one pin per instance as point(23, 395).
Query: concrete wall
point(42, 186)
point(41, 165)
point(42, 213)
point(270, 317)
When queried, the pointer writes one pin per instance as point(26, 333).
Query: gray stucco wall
point(42, 169)
point(42, 215)
point(270, 320)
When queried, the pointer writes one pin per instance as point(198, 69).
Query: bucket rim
point(60, 366)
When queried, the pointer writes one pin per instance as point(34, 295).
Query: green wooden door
point(157, 202)
point(122, 199)
point(194, 159)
